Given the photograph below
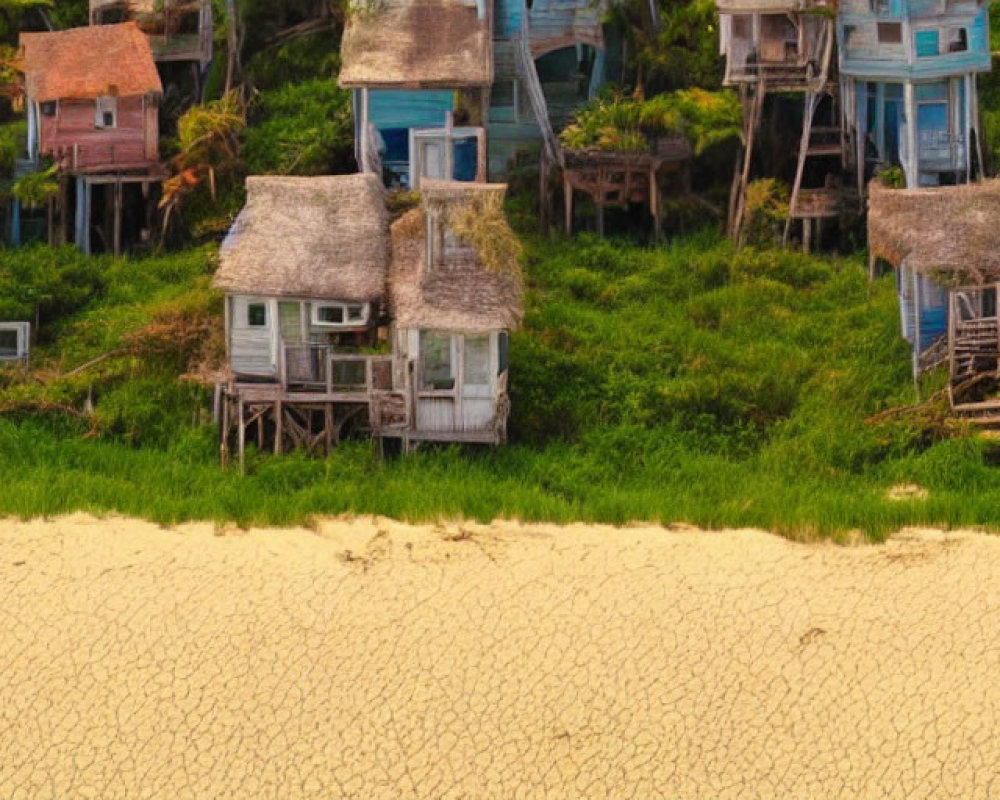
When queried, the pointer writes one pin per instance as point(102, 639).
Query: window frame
point(103, 105)
point(345, 309)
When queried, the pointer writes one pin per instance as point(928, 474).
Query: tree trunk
point(232, 43)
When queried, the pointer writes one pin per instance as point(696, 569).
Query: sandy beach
point(373, 659)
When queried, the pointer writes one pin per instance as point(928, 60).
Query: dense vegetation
point(687, 383)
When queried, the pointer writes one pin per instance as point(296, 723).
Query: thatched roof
point(772, 6)
point(84, 63)
point(325, 237)
point(411, 44)
point(945, 229)
point(460, 294)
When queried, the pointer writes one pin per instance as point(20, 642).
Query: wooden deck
point(317, 400)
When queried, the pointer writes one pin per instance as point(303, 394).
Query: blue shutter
point(928, 44)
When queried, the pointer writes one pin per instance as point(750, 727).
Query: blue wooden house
point(944, 245)
point(908, 77)
point(451, 89)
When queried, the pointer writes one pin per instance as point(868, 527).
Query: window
point(928, 44)
point(106, 115)
point(742, 26)
point(881, 6)
point(890, 33)
point(437, 361)
point(958, 40)
point(503, 345)
point(329, 315)
point(476, 371)
point(49, 108)
point(8, 344)
point(335, 315)
point(502, 95)
point(256, 315)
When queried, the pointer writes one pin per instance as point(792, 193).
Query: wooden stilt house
point(421, 72)
point(785, 46)
point(944, 244)
point(178, 30)
point(908, 72)
point(323, 335)
point(92, 103)
point(455, 295)
point(303, 270)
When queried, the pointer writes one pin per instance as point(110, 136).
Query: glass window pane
point(256, 315)
point(290, 321)
point(477, 361)
point(503, 343)
point(8, 343)
point(332, 315)
point(437, 369)
point(927, 43)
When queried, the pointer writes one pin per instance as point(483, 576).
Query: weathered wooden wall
point(135, 142)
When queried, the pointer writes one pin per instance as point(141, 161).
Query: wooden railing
point(315, 367)
point(89, 155)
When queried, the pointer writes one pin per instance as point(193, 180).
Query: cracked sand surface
point(378, 660)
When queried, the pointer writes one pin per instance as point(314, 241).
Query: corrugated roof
point(83, 63)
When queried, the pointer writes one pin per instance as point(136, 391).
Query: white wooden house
point(15, 342)
point(326, 328)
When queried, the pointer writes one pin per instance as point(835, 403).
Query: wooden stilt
point(600, 219)
point(117, 189)
point(328, 417)
point(224, 433)
point(568, 203)
point(242, 435)
point(806, 234)
point(543, 193)
point(279, 431)
point(756, 111)
point(654, 204)
point(808, 111)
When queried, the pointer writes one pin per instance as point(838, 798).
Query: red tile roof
point(84, 63)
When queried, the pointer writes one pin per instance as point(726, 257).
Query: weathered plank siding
point(72, 135)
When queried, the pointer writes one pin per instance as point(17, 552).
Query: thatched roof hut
point(953, 229)
point(84, 63)
point(415, 44)
point(325, 237)
point(475, 288)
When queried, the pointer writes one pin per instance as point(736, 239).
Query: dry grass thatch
point(472, 288)
point(953, 229)
point(325, 237)
point(84, 63)
point(416, 43)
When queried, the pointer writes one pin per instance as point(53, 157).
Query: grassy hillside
point(688, 383)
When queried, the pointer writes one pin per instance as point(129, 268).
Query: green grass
point(687, 383)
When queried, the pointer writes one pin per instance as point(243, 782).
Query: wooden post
point(568, 201)
point(654, 203)
point(806, 234)
point(543, 192)
point(278, 427)
point(117, 188)
point(913, 156)
point(600, 217)
point(328, 418)
point(224, 433)
point(808, 110)
point(242, 435)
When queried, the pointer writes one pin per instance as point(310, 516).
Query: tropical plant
point(209, 144)
point(628, 124)
point(35, 189)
